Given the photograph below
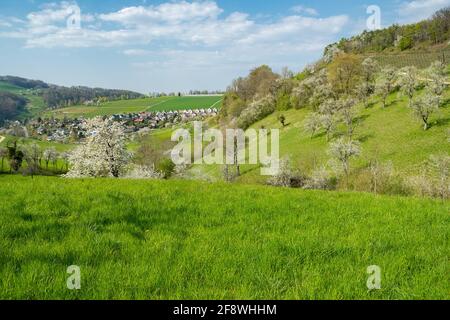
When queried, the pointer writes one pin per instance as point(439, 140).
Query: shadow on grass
point(365, 138)
point(442, 122)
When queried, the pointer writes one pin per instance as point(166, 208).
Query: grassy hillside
point(140, 105)
point(171, 240)
point(391, 134)
point(4, 86)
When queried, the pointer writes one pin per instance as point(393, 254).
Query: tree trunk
point(425, 125)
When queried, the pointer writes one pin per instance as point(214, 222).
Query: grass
point(5, 86)
point(390, 134)
point(138, 105)
point(190, 240)
point(181, 103)
point(60, 147)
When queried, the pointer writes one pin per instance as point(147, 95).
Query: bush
point(143, 172)
point(321, 179)
point(287, 177)
point(166, 167)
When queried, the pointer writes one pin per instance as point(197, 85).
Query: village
point(68, 130)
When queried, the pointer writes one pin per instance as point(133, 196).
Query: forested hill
point(424, 35)
point(55, 96)
point(22, 98)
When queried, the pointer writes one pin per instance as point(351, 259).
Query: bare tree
point(379, 173)
point(348, 114)
point(286, 73)
point(329, 124)
point(343, 150)
point(386, 84)
point(409, 81)
point(313, 123)
point(424, 106)
point(50, 155)
point(32, 154)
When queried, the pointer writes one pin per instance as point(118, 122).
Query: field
point(420, 59)
point(4, 86)
point(140, 105)
point(172, 240)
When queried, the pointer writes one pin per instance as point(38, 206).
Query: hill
point(359, 96)
point(11, 105)
point(259, 243)
point(40, 95)
point(380, 131)
point(424, 35)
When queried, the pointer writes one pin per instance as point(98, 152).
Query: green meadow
point(192, 240)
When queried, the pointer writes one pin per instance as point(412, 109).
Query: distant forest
point(58, 96)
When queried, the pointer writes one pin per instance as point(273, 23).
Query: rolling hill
point(41, 96)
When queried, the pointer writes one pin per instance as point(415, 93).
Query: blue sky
point(148, 46)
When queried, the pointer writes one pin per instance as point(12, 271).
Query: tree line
point(32, 160)
point(58, 97)
point(433, 31)
point(11, 105)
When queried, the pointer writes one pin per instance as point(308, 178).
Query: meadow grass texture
point(191, 240)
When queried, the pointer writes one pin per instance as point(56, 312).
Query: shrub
point(143, 172)
point(166, 167)
point(321, 179)
point(286, 176)
point(406, 43)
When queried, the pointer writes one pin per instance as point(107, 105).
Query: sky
point(179, 45)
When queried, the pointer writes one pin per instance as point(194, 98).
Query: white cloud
point(416, 10)
point(297, 28)
point(173, 12)
point(305, 10)
point(51, 14)
point(184, 23)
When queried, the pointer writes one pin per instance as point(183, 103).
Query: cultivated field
point(189, 240)
point(140, 105)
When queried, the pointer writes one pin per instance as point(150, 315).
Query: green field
point(189, 240)
point(140, 105)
